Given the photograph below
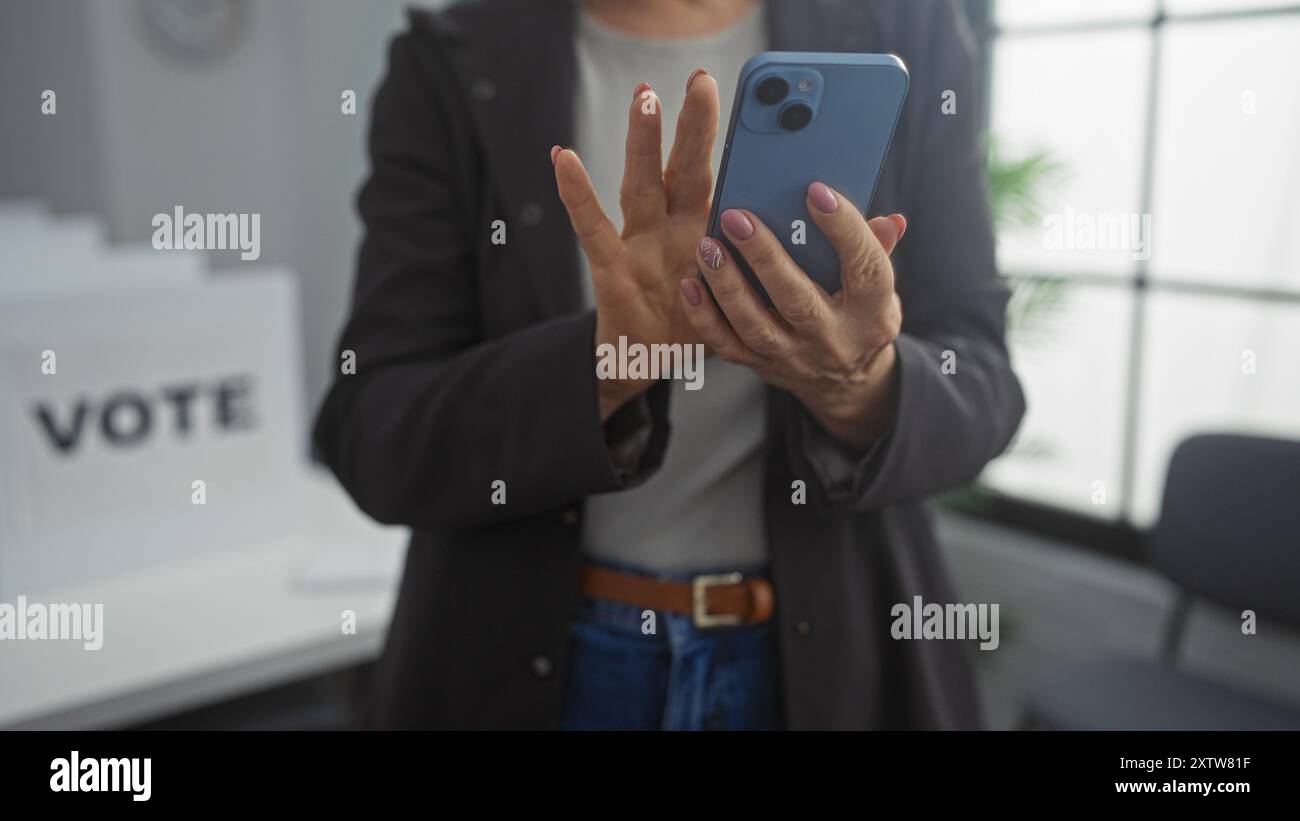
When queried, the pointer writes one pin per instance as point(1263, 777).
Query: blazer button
point(530, 214)
point(803, 628)
point(542, 666)
point(483, 89)
point(570, 517)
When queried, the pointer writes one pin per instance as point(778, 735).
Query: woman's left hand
point(834, 353)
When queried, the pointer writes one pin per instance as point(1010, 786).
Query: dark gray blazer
point(474, 363)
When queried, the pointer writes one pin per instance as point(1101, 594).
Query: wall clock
point(194, 30)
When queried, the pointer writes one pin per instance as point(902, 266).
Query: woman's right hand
point(636, 275)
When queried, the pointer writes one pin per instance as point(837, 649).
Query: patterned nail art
point(712, 253)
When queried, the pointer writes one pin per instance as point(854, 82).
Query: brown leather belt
point(712, 601)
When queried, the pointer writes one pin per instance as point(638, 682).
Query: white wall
point(43, 45)
point(257, 130)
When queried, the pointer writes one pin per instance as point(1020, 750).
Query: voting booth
point(149, 411)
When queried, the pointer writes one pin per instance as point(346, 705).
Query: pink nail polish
point(555, 152)
point(691, 290)
point(711, 253)
point(737, 224)
point(823, 198)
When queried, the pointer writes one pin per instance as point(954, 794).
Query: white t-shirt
point(703, 509)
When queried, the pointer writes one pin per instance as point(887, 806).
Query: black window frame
point(1118, 537)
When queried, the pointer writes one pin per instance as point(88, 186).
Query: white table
point(188, 633)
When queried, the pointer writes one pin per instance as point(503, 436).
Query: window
point(1157, 279)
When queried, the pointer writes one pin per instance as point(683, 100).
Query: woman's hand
point(834, 353)
point(635, 274)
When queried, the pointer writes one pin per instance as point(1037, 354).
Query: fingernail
point(691, 290)
point(711, 253)
point(555, 151)
point(696, 73)
point(737, 224)
point(901, 222)
point(823, 198)
point(640, 89)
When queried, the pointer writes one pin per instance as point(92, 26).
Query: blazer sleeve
point(948, 421)
point(435, 413)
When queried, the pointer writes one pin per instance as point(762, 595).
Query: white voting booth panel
point(164, 376)
point(15, 215)
point(73, 268)
point(25, 231)
point(152, 390)
point(43, 255)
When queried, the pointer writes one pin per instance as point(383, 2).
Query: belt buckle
point(700, 600)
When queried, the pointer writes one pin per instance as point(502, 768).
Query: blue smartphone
point(799, 117)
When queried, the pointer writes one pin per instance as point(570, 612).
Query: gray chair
point(1229, 532)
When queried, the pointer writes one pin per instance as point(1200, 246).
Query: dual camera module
point(793, 115)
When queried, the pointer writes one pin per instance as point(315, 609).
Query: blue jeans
point(678, 678)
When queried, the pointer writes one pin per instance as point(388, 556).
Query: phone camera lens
point(795, 116)
point(772, 90)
